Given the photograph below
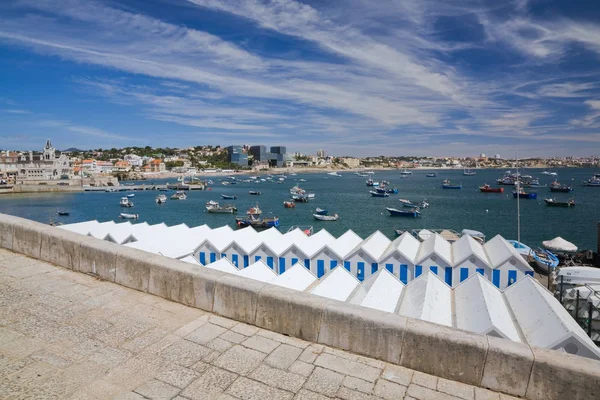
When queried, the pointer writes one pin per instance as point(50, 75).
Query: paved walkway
point(65, 335)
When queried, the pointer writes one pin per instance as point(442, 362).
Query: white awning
point(559, 244)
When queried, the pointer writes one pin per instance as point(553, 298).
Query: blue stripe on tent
point(294, 261)
point(480, 271)
point(270, 262)
point(390, 268)
point(433, 269)
point(246, 261)
point(213, 257)
point(374, 267)
point(320, 268)
point(530, 273)
point(360, 266)
point(496, 278)
point(332, 264)
point(403, 273)
point(512, 276)
point(307, 263)
point(281, 265)
point(464, 274)
point(223, 255)
point(234, 260)
point(418, 270)
point(203, 258)
point(257, 258)
point(347, 265)
point(448, 275)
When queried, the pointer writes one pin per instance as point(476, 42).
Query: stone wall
point(489, 362)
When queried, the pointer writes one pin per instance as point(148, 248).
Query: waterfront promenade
point(66, 335)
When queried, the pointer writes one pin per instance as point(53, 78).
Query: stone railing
point(498, 364)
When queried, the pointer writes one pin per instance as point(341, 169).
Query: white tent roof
point(344, 245)
point(269, 233)
point(219, 238)
point(99, 231)
point(428, 298)
point(466, 247)
point(80, 227)
point(258, 271)
point(545, 322)
point(436, 245)
point(297, 277)
point(375, 245)
point(499, 251)
point(337, 284)
point(224, 265)
point(119, 233)
point(190, 259)
point(480, 307)
point(559, 244)
point(380, 291)
point(313, 244)
point(406, 244)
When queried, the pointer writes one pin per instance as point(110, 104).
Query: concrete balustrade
point(498, 364)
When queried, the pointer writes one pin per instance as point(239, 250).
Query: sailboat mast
point(518, 183)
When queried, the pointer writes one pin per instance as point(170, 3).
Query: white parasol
point(559, 244)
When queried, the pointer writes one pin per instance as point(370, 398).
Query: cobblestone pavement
point(65, 335)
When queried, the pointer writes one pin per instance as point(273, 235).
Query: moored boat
point(64, 213)
point(256, 222)
point(321, 211)
point(377, 194)
point(410, 204)
point(131, 195)
point(468, 172)
point(405, 172)
point(488, 189)
point(335, 173)
point(179, 195)
point(125, 202)
point(254, 193)
point(521, 248)
point(554, 203)
point(161, 199)
point(448, 185)
point(522, 194)
point(224, 209)
point(320, 217)
point(300, 198)
point(556, 186)
point(412, 213)
point(229, 197)
point(593, 181)
point(289, 204)
point(129, 216)
point(544, 259)
point(431, 175)
point(392, 191)
point(254, 210)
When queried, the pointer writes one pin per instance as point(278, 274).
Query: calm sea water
point(490, 213)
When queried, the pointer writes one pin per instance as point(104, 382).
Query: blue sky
point(354, 77)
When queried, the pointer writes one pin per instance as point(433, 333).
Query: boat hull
point(403, 213)
point(561, 189)
point(451, 186)
point(566, 204)
point(525, 195)
point(491, 190)
point(376, 194)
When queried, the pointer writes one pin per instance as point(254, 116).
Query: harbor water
point(348, 195)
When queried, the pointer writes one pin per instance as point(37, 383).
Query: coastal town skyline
point(361, 79)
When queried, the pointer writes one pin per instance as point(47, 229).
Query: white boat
point(131, 195)
point(129, 216)
point(125, 202)
point(301, 180)
point(334, 174)
point(579, 275)
point(320, 217)
point(161, 198)
point(179, 195)
point(521, 248)
point(405, 172)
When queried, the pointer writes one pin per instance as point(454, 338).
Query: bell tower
point(49, 151)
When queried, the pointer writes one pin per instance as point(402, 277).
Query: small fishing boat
point(593, 181)
point(161, 199)
point(521, 248)
point(179, 195)
point(468, 172)
point(320, 217)
point(254, 210)
point(410, 204)
point(300, 199)
point(523, 194)
point(229, 197)
point(405, 172)
point(131, 195)
point(392, 191)
point(381, 189)
point(488, 189)
point(301, 180)
point(556, 186)
point(321, 211)
point(125, 202)
point(413, 213)
point(64, 213)
point(256, 222)
point(289, 204)
point(448, 185)
point(431, 175)
point(129, 216)
point(254, 193)
point(544, 259)
point(335, 173)
point(224, 209)
point(377, 194)
point(554, 203)
point(370, 182)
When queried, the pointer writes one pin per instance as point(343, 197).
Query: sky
point(352, 77)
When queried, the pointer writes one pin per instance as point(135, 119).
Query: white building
point(435, 255)
point(507, 264)
point(469, 259)
point(39, 167)
point(134, 160)
point(400, 257)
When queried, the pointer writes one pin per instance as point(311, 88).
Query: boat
point(413, 213)
point(370, 182)
point(556, 186)
point(381, 189)
point(544, 259)
point(125, 202)
point(431, 175)
point(131, 195)
point(468, 172)
point(289, 204)
point(300, 199)
point(405, 172)
point(488, 189)
point(448, 185)
point(321, 211)
point(64, 213)
point(579, 275)
point(545, 172)
point(334, 174)
point(320, 217)
point(301, 180)
point(377, 194)
point(254, 193)
point(256, 222)
point(224, 209)
point(554, 203)
point(522, 194)
point(593, 181)
point(129, 216)
point(392, 191)
point(254, 210)
point(229, 197)
point(161, 198)
point(521, 248)
point(477, 235)
point(559, 244)
point(179, 195)
point(410, 204)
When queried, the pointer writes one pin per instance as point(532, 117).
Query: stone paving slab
point(65, 335)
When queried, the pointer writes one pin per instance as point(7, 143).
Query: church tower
point(49, 151)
